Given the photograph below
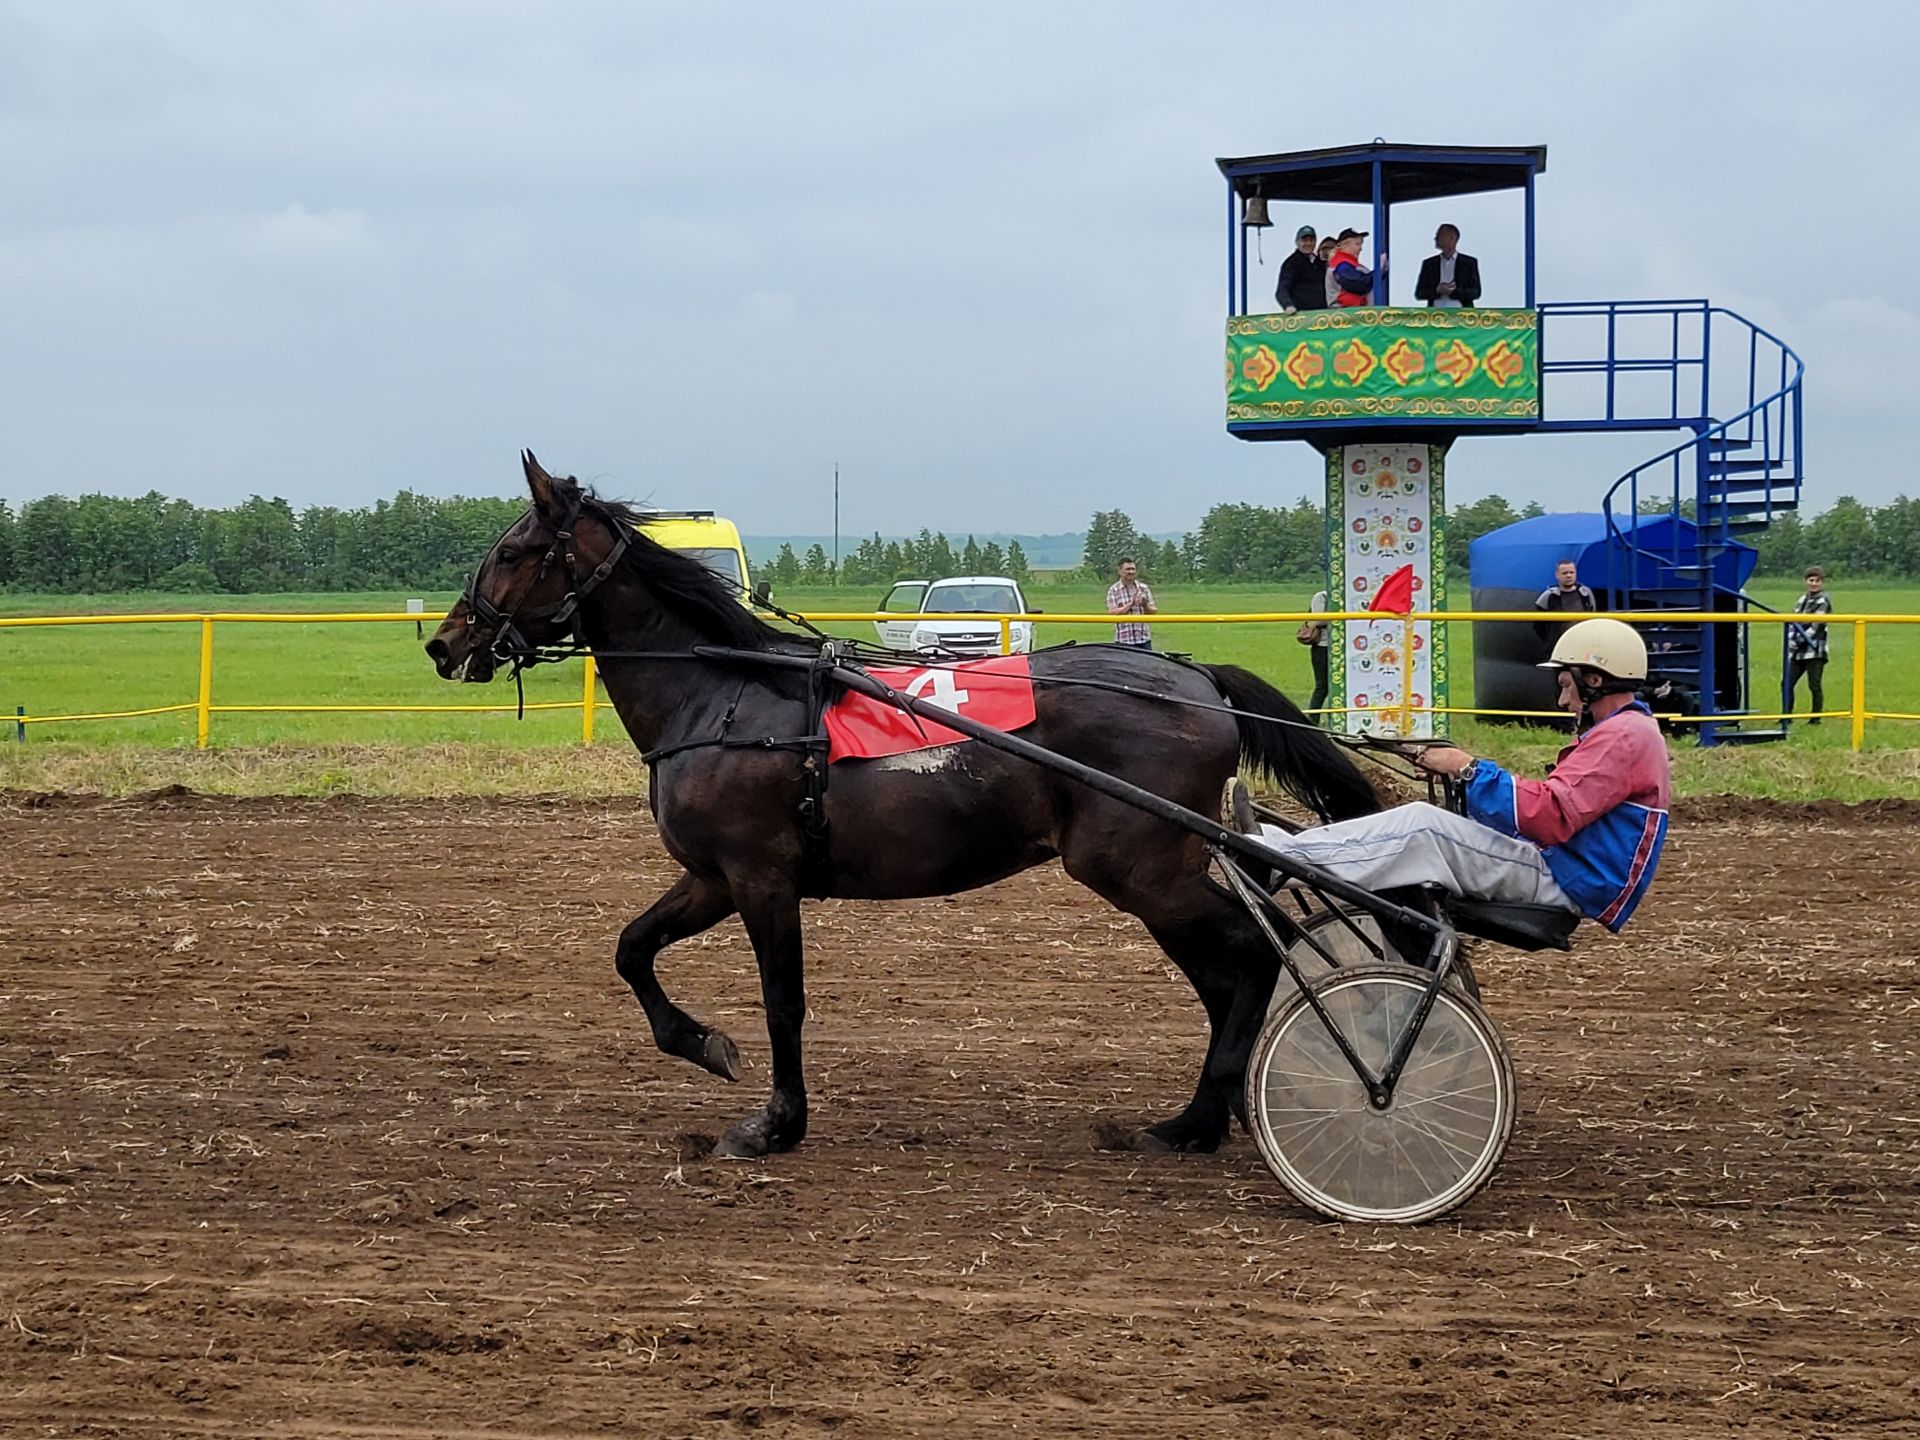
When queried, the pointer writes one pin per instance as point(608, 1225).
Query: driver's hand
point(1442, 759)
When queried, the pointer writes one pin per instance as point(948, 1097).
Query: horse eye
point(508, 556)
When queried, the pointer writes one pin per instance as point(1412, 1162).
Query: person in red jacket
point(1348, 283)
point(1587, 838)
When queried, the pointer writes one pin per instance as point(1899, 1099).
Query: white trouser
point(1425, 845)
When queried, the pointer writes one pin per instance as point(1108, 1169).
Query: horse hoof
point(1171, 1137)
point(720, 1055)
point(745, 1141)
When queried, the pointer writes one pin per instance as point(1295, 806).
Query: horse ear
point(538, 481)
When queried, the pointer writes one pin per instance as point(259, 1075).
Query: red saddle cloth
point(997, 691)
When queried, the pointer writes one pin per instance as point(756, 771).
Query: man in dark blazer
point(1448, 280)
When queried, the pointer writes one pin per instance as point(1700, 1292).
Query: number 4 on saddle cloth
point(997, 691)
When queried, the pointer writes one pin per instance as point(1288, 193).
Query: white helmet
point(1612, 647)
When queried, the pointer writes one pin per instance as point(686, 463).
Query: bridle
point(507, 643)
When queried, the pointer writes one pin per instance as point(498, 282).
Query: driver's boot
point(1413, 944)
point(1236, 808)
point(1236, 813)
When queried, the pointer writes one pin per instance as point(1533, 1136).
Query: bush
point(189, 578)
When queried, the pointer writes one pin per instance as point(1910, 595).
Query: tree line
point(100, 543)
point(1252, 543)
point(926, 556)
point(104, 543)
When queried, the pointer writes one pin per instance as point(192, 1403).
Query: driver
point(1587, 838)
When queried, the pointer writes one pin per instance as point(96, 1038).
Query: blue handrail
point(1775, 467)
point(1607, 360)
point(1760, 444)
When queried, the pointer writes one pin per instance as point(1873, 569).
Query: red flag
point(1395, 595)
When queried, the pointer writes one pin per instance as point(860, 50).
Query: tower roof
point(1344, 174)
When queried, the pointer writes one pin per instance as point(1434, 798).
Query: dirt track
point(306, 1128)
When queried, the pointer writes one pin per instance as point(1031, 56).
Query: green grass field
point(93, 668)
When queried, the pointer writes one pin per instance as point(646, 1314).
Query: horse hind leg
point(691, 906)
point(1205, 932)
point(1234, 975)
point(1203, 1124)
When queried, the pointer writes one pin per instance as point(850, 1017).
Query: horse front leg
point(772, 917)
point(689, 907)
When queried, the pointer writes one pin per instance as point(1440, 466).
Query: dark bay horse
point(954, 818)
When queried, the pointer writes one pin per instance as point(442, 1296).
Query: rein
point(1378, 750)
point(835, 659)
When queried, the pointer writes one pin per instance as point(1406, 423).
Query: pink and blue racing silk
point(1600, 817)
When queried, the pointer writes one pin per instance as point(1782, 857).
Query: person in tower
point(1586, 839)
point(1348, 282)
point(1449, 280)
point(1303, 276)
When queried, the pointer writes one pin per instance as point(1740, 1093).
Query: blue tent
point(1509, 567)
point(1520, 557)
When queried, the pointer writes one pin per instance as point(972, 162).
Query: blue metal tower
point(1379, 372)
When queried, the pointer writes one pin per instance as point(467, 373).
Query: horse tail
point(1297, 755)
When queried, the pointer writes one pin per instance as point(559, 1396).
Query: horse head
point(526, 593)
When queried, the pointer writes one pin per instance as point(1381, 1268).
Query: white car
point(912, 605)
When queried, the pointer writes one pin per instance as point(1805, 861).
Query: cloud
point(973, 251)
point(299, 232)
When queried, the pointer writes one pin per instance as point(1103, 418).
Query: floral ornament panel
point(1468, 364)
point(1385, 504)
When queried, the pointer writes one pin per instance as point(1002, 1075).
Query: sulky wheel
point(1346, 948)
point(1436, 1143)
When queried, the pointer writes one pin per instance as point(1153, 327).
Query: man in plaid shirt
point(1807, 644)
point(1127, 596)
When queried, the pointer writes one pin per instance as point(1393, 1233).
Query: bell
point(1253, 215)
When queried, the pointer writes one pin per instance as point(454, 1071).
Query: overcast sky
point(699, 252)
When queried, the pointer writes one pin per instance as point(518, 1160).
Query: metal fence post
point(19, 725)
point(586, 704)
point(203, 708)
point(1006, 636)
point(1859, 682)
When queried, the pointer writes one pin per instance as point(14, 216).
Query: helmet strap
point(1608, 686)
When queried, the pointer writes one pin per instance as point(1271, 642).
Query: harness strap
point(731, 742)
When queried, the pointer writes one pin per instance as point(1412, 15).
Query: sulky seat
point(1524, 927)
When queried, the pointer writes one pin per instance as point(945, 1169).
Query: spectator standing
point(1348, 282)
point(1303, 276)
point(1807, 644)
point(1566, 596)
point(1449, 280)
point(1317, 636)
point(1130, 596)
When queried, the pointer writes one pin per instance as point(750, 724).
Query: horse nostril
point(437, 651)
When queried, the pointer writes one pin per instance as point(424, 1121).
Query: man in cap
point(1347, 282)
point(1303, 276)
point(1585, 839)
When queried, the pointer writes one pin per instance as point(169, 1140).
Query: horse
point(731, 785)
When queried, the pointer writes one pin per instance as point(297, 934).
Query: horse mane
point(685, 586)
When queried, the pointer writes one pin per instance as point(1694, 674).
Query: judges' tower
point(1383, 390)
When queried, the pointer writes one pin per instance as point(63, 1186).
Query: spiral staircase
point(1735, 389)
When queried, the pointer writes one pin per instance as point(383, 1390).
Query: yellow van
point(711, 539)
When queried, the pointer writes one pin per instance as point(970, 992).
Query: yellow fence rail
point(205, 709)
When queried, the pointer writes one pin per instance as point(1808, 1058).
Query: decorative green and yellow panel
point(1367, 363)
